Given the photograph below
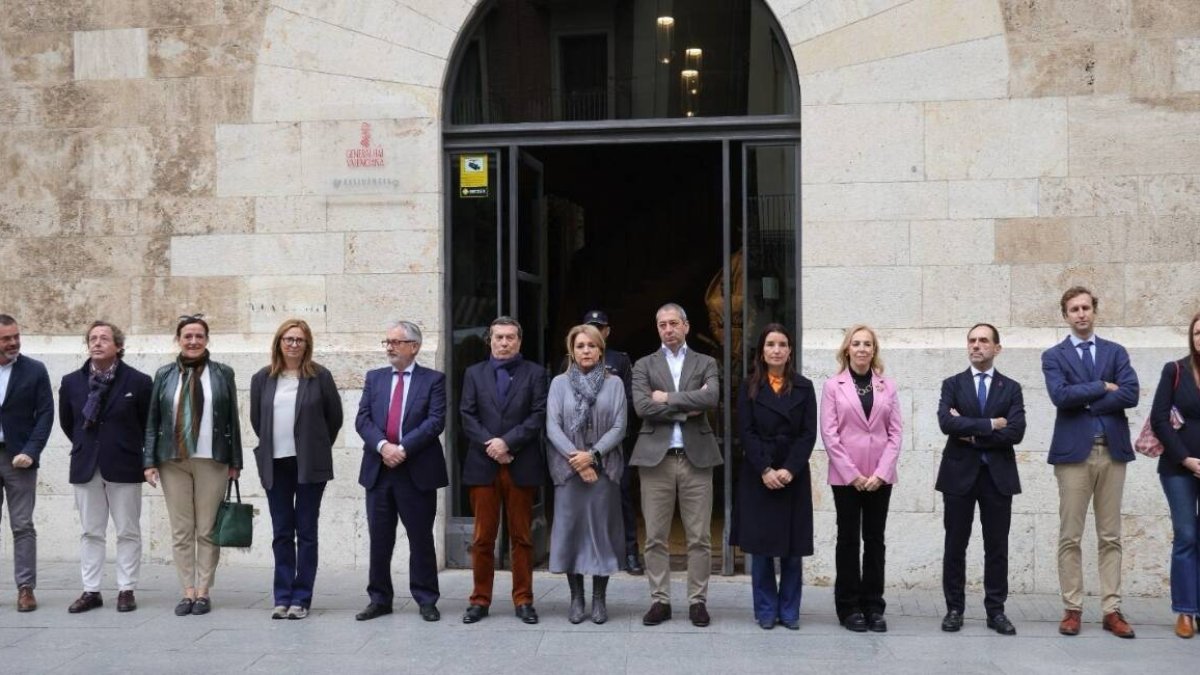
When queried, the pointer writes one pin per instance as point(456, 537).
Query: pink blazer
point(857, 446)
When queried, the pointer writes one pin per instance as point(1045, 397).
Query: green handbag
point(235, 520)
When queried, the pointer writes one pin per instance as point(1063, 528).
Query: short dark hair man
point(982, 414)
point(26, 417)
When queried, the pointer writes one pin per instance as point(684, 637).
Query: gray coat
point(603, 432)
point(699, 391)
point(318, 419)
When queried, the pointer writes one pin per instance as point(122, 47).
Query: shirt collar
point(408, 370)
point(10, 363)
point(991, 372)
point(1076, 340)
point(683, 350)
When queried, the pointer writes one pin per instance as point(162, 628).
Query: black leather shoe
point(184, 607)
point(527, 614)
point(633, 565)
point(1001, 624)
point(373, 611)
point(855, 622)
point(952, 622)
point(659, 612)
point(790, 625)
point(766, 624)
point(475, 614)
point(85, 602)
point(430, 613)
point(201, 606)
point(876, 623)
point(126, 602)
point(698, 614)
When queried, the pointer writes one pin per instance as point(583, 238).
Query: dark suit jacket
point(519, 421)
point(776, 432)
point(115, 443)
point(1184, 443)
point(961, 459)
point(424, 418)
point(1080, 400)
point(28, 411)
point(318, 420)
point(650, 374)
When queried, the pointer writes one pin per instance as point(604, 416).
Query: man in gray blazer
point(673, 388)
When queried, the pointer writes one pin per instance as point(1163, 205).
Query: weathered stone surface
point(1187, 64)
point(1109, 136)
point(1113, 67)
point(1170, 195)
point(38, 219)
point(847, 148)
point(837, 297)
point(159, 301)
point(392, 22)
point(202, 51)
point(840, 243)
point(971, 70)
point(365, 302)
point(51, 15)
point(1066, 19)
point(76, 257)
point(105, 218)
point(259, 160)
point(912, 27)
point(1155, 293)
point(335, 97)
point(328, 171)
point(950, 293)
point(56, 305)
point(1033, 240)
point(40, 165)
point(1166, 18)
point(803, 21)
point(275, 299)
point(36, 57)
point(996, 139)
point(1036, 290)
point(110, 54)
point(1088, 196)
point(1154, 239)
point(168, 216)
point(1152, 66)
point(451, 14)
point(290, 214)
point(404, 212)
point(1101, 239)
point(875, 201)
point(219, 255)
point(118, 163)
point(993, 198)
point(390, 252)
point(1052, 69)
point(953, 242)
point(98, 103)
point(20, 106)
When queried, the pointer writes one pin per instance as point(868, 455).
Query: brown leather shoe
point(86, 602)
point(26, 602)
point(1070, 622)
point(698, 614)
point(659, 612)
point(1116, 624)
point(1184, 626)
point(126, 602)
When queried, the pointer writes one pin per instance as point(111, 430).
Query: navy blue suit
point(27, 415)
point(408, 492)
point(1081, 401)
point(115, 445)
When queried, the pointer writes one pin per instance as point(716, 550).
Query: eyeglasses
point(293, 341)
point(397, 343)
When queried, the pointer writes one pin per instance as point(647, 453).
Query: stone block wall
point(964, 160)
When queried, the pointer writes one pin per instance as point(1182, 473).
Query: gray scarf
point(586, 387)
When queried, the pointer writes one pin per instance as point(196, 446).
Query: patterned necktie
point(395, 412)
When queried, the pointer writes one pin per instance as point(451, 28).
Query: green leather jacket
point(160, 426)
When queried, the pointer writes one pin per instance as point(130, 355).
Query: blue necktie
point(981, 392)
point(1089, 365)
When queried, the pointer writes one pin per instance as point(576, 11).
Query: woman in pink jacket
point(860, 426)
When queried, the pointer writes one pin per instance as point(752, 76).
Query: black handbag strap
point(231, 487)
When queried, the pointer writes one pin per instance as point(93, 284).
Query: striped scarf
point(190, 408)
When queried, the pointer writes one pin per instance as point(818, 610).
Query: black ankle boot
point(575, 582)
point(599, 608)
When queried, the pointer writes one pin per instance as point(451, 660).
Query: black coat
point(1184, 443)
point(27, 415)
point(114, 445)
point(520, 421)
point(318, 420)
point(777, 432)
point(961, 458)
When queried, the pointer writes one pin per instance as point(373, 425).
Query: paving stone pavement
point(239, 636)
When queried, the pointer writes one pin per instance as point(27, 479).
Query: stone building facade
point(963, 161)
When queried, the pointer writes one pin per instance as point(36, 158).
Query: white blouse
point(283, 439)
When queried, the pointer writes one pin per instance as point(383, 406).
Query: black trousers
point(859, 587)
point(393, 500)
point(995, 516)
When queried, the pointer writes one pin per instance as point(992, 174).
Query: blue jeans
point(773, 602)
point(295, 509)
point(1183, 496)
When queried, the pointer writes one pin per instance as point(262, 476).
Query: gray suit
point(666, 475)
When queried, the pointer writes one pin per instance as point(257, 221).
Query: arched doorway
point(619, 154)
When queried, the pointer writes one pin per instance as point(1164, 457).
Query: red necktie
point(395, 414)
